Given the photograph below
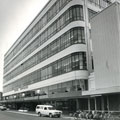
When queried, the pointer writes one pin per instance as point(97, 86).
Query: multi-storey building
point(51, 61)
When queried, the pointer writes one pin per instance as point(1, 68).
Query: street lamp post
point(38, 93)
point(6, 101)
point(15, 101)
point(23, 95)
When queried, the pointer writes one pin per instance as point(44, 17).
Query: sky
point(15, 16)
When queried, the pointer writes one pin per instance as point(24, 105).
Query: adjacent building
point(106, 53)
point(50, 63)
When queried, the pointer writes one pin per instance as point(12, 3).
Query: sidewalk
point(34, 114)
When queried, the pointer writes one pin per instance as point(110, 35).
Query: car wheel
point(59, 116)
point(50, 115)
point(39, 114)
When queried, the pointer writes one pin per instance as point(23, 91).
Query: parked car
point(23, 109)
point(2, 107)
point(48, 110)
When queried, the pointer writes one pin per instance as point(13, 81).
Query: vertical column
point(102, 103)
point(51, 102)
point(87, 39)
point(95, 103)
point(77, 104)
point(108, 107)
point(89, 104)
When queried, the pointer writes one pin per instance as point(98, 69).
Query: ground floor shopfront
point(66, 105)
point(67, 101)
point(104, 102)
point(108, 102)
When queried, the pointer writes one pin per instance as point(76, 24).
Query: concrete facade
point(106, 54)
point(105, 34)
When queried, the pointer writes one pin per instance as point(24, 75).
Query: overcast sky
point(15, 16)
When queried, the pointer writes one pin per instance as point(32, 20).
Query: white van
point(48, 110)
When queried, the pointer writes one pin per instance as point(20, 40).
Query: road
point(6, 115)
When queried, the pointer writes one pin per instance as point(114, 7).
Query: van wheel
point(39, 114)
point(59, 116)
point(50, 115)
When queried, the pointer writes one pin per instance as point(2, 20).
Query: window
point(54, 27)
point(59, 67)
point(79, 61)
point(75, 61)
point(55, 68)
point(103, 3)
point(81, 35)
point(67, 17)
point(57, 6)
point(39, 75)
point(66, 40)
point(78, 35)
point(38, 107)
point(75, 35)
point(49, 71)
point(62, 21)
point(43, 73)
point(82, 61)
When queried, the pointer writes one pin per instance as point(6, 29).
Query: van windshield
point(51, 108)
